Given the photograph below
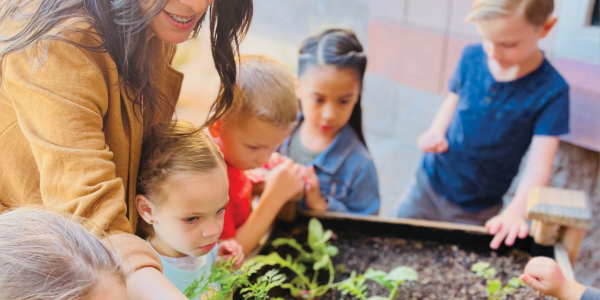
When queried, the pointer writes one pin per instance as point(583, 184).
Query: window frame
point(575, 38)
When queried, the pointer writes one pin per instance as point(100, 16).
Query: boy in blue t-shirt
point(505, 98)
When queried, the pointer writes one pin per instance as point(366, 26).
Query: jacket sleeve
point(363, 197)
point(591, 294)
point(60, 104)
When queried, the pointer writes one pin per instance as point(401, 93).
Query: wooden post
point(558, 215)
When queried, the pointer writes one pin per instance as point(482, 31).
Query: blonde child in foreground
point(248, 135)
point(182, 195)
point(505, 98)
point(543, 275)
point(47, 257)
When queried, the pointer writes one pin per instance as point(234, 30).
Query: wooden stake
point(571, 240)
point(553, 211)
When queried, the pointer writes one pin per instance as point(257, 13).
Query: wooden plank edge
point(412, 222)
point(562, 260)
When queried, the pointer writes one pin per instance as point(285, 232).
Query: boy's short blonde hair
point(265, 91)
point(535, 12)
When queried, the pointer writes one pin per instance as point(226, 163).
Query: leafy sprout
point(494, 286)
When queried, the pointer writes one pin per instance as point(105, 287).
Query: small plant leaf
point(332, 250)
point(315, 232)
point(493, 286)
point(295, 291)
point(480, 266)
point(322, 263)
point(516, 282)
point(401, 274)
point(489, 273)
point(378, 276)
point(324, 238)
point(290, 242)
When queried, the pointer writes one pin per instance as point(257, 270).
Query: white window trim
point(575, 38)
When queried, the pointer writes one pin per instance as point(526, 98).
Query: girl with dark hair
point(81, 83)
point(341, 176)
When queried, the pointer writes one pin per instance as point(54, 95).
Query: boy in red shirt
point(248, 135)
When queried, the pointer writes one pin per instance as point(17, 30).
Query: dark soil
point(444, 269)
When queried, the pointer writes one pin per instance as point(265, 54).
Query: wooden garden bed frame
point(559, 218)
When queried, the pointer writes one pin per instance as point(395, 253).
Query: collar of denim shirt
point(333, 157)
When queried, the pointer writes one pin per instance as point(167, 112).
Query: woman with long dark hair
point(80, 83)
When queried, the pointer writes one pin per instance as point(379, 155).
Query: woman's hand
point(313, 197)
point(544, 275)
point(231, 249)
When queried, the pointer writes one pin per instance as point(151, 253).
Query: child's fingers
point(523, 231)
point(511, 237)
point(442, 146)
point(532, 282)
point(493, 225)
point(499, 237)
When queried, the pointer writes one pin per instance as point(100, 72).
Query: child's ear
point(215, 129)
point(145, 208)
point(548, 25)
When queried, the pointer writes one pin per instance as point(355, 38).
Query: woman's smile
point(180, 22)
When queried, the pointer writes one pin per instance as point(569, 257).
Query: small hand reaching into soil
point(506, 226)
point(544, 276)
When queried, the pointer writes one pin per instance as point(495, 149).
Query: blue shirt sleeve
point(363, 196)
point(591, 294)
point(554, 118)
point(455, 82)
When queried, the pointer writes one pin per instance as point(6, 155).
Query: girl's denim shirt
point(346, 174)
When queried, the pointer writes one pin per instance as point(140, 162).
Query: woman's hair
point(266, 91)
point(44, 256)
point(340, 48)
point(121, 28)
point(535, 12)
point(182, 147)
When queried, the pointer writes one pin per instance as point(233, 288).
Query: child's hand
point(543, 275)
point(507, 225)
point(275, 160)
point(285, 181)
point(431, 141)
point(313, 197)
point(230, 249)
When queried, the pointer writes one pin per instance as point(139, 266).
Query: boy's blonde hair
point(44, 256)
point(265, 91)
point(181, 147)
point(535, 12)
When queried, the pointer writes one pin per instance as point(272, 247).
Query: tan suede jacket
point(71, 140)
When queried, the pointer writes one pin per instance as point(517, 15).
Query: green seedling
point(354, 285)
point(260, 289)
point(319, 258)
point(494, 286)
point(391, 280)
point(223, 280)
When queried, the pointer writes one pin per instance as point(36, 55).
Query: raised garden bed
point(345, 257)
point(442, 258)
